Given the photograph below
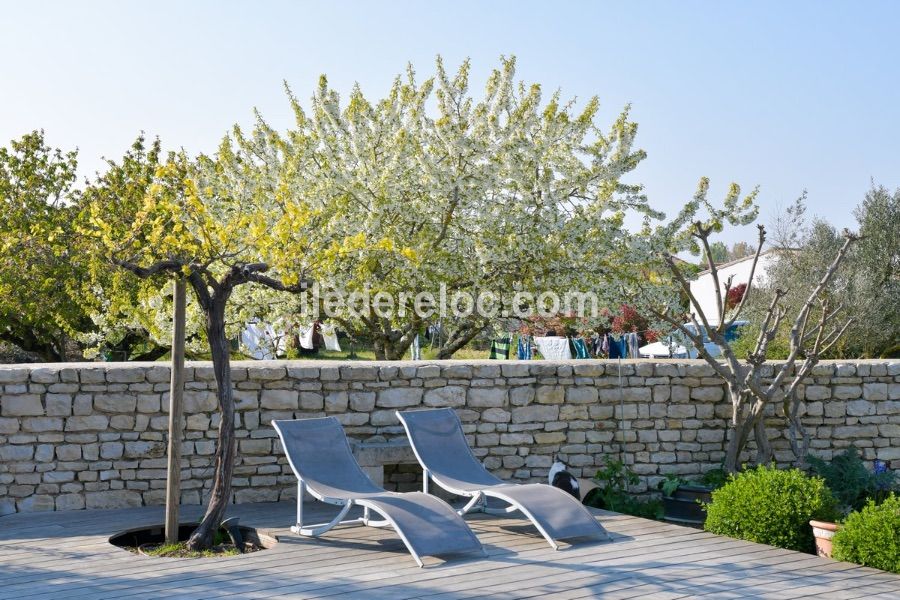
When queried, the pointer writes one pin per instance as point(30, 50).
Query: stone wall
point(93, 435)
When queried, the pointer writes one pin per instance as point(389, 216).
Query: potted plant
point(852, 485)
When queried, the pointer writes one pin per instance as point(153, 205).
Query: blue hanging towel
point(618, 347)
point(523, 350)
point(581, 350)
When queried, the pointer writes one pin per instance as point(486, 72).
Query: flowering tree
point(431, 186)
point(39, 282)
point(214, 222)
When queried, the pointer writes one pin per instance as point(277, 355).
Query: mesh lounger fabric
point(440, 445)
point(320, 455)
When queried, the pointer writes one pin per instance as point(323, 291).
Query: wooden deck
point(66, 555)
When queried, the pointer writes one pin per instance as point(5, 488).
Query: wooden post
point(176, 396)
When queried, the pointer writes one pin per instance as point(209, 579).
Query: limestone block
point(70, 502)
point(601, 412)
point(399, 397)
point(428, 371)
point(198, 422)
point(144, 449)
point(889, 430)
point(496, 415)
point(549, 437)
point(447, 396)
point(58, 405)
point(44, 453)
point(581, 395)
point(847, 392)
point(362, 401)
point(8, 426)
point(550, 394)
point(681, 411)
point(125, 374)
point(569, 412)
point(855, 432)
point(381, 418)
point(858, 408)
point(359, 373)
point(516, 439)
point(13, 374)
point(487, 397)
point(113, 499)
point(535, 413)
point(336, 402)
point(280, 399)
point(37, 503)
point(88, 423)
point(263, 446)
point(196, 401)
point(311, 401)
point(41, 424)
point(59, 476)
point(707, 394)
point(21, 405)
point(521, 396)
point(10, 453)
point(875, 391)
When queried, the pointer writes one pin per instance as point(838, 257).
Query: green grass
point(180, 550)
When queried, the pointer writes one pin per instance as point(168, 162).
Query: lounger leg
point(426, 475)
point(473, 504)
point(301, 489)
point(317, 530)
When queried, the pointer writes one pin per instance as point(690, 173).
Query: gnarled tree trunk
point(220, 494)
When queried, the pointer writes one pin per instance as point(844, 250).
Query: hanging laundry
point(253, 339)
point(580, 346)
point(523, 350)
point(329, 336)
point(553, 348)
point(633, 344)
point(604, 344)
point(415, 350)
point(306, 336)
point(500, 348)
point(618, 348)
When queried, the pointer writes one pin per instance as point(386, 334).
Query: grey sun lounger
point(320, 455)
point(440, 446)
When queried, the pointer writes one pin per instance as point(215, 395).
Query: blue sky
point(784, 95)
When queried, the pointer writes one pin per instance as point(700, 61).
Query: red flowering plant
point(735, 295)
point(629, 320)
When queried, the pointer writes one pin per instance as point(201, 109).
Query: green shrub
point(849, 480)
point(614, 479)
point(771, 506)
point(871, 537)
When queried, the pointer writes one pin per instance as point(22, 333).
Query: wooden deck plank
point(65, 555)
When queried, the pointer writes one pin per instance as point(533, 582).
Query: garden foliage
point(871, 537)
point(771, 506)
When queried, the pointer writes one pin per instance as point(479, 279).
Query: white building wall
point(705, 292)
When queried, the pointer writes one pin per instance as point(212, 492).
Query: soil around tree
point(150, 542)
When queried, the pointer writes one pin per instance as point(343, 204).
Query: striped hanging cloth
point(581, 350)
point(500, 348)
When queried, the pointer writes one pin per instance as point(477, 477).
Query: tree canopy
point(39, 270)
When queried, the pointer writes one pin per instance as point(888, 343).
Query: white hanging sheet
point(553, 348)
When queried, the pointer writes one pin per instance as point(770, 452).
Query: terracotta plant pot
point(823, 531)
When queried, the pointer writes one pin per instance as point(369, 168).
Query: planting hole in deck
point(148, 540)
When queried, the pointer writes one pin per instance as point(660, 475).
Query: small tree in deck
point(216, 223)
point(752, 383)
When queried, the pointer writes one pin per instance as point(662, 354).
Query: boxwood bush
point(771, 506)
point(871, 537)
